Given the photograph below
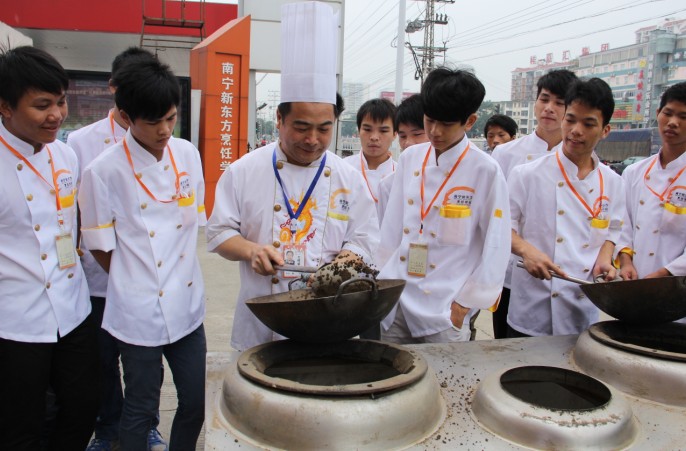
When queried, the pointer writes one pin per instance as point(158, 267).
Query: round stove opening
point(555, 388)
point(351, 367)
point(665, 341)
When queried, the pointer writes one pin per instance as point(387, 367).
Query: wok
point(642, 301)
point(301, 316)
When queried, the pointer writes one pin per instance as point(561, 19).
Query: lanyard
point(303, 202)
point(424, 212)
point(54, 187)
point(112, 126)
point(646, 177)
point(364, 174)
point(145, 188)
point(594, 213)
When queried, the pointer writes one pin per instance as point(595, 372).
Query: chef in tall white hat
point(293, 199)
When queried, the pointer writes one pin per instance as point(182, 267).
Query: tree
point(486, 110)
point(348, 128)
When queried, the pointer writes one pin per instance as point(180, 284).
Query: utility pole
point(428, 51)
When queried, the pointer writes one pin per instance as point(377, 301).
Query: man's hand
point(627, 269)
point(603, 265)
point(662, 272)
point(457, 314)
point(263, 258)
point(537, 263)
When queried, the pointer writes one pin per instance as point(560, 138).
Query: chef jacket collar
point(539, 142)
point(679, 162)
point(139, 153)
point(280, 156)
point(22, 146)
point(448, 158)
point(572, 169)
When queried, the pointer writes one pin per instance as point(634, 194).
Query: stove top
point(462, 368)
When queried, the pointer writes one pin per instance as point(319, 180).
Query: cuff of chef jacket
point(202, 216)
point(214, 242)
point(480, 297)
point(101, 238)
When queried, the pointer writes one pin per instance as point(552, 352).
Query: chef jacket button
point(20, 167)
point(560, 212)
point(52, 191)
point(651, 254)
point(161, 293)
point(152, 233)
point(528, 157)
point(327, 172)
point(427, 291)
point(585, 246)
point(49, 160)
point(555, 294)
point(277, 207)
point(638, 227)
point(670, 180)
point(416, 173)
point(174, 196)
point(561, 184)
point(36, 227)
point(560, 239)
point(656, 231)
point(402, 258)
point(436, 207)
point(275, 280)
point(183, 254)
point(159, 264)
point(48, 285)
point(144, 206)
point(276, 244)
point(107, 140)
point(641, 202)
point(590, 190)
point(586, 270)
point(43, 256)
point(279, 165)
point(178, 226)
point(648, 177)
point(447, 173)
point(166, 167)
point(581, 296)
point(406, 230)
point(139, 175)
point(410, 201)
point(433, 234)
point(29, 197)
point(70, 275)
point(190, 283)
point(432, 266)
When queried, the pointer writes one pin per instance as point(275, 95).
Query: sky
point(494, 37)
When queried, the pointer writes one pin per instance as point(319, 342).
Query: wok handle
point(341, 287)
point(296, 268)
point(556, 275)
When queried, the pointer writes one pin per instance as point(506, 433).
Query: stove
point(484, 399)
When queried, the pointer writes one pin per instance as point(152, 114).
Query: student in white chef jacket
point(251, 223)
point(46, 335)
point(89, 142)
point(549, 109)
point(445, 229)
point(567, 211)
point(142, 203)
point(655, 243)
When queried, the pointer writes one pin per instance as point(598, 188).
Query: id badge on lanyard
point(66, 252)
point(417, 259)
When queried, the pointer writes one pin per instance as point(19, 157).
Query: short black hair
point(451, 95)
point(410, 111)
point(27, 68)
point(378, 110)
point(146, 89)
point(556, 81)
point(676, 93)
point(130, 54)
point(285, 107)
point(594, 93)
point(505, 122)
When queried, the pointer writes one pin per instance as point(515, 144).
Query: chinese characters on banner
point(228, 109)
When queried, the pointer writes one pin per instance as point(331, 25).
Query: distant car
point(619, 167)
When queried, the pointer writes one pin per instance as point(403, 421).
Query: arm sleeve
point(391, 226)
point(225, 222)
point(485, 284)
point(199, 189)
point(517, 193)
point(362, 235)
point(626, 237)
point(97, 217)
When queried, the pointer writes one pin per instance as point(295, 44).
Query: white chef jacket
point(547, 214)
point(511, 154)
point(374, 176)
point(88, 142)
point(249, 202)
point(155, 293)
point(38, 300)
point(467, 256)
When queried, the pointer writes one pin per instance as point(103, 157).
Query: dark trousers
point(511, 333)
point(500, 315)
point(70, 367)
point(111, 395)
point(186, 358)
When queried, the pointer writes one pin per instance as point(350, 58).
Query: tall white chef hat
point(309, 52)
